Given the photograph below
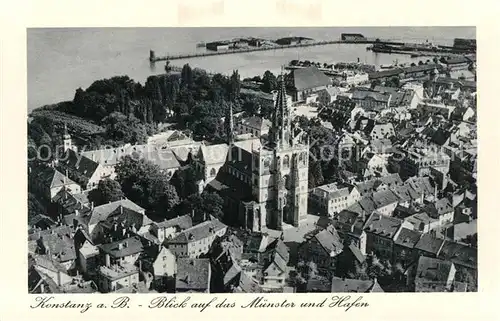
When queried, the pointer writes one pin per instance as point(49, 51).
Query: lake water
point(61, 60)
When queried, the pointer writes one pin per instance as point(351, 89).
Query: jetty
point(153, 58)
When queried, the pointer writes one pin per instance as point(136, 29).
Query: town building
point(49, 182)
point(330, 199)
point(419, 161)
point(342, 285)
point(306, 81)
point(322, 249)
point(193, 275)
point(254, 125)
point(434, 275)
point(114, 277)
point(197, 240)
point(380, 231)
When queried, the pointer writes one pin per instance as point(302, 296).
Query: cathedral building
point(265, 183)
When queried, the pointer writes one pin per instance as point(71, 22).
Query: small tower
point(68, 144)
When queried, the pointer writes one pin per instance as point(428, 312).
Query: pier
point(153, 58)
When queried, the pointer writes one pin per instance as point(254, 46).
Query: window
point(286, 161)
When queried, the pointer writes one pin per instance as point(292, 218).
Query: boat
point(387, 66)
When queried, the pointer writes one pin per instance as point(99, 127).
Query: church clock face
point(266, 162)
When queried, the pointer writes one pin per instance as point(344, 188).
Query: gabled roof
point(61, 247)
point(382, 225)
point(407, 238)
point(369, 186)
point(310, 77)
point(330, 241)
point(430, 244)
point(421, 185)
point(127, 218)
point(460, 254)
point(80, 163)
point(122, 248)
point(233, 273)
point(384, 198)
point(163, 158)
point(382, 130)
point(39, 282)
point(52, 178)
point(101, 212)
point(213, 154)
point(385, 73)
point(198, 232)
point(256, 122)
point(340, 285)
point(432, 269)
point(404, 193)
point(47, 262)
point(357, 253)
point(41, 221)
point(192, 274)
point(247, 284)
point(183, 222)
point(62, 230)
point(370, 95)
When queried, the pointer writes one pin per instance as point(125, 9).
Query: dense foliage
point(144, 184)
point(107, 191)
point(35, 207)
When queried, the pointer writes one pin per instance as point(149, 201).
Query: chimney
point(42, 288)
point(108, 260)
point(92, 205)
point(77, 212)
point(59, 278)
point(115, 226)
point(124, 230)
point(121, 209)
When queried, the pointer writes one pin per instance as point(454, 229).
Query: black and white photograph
point(252, 160)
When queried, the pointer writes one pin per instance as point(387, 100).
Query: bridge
point(153, 58)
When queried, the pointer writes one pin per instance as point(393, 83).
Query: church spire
point(66, 133)
point(280, 131)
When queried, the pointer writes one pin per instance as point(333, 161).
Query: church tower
point(280, 170)
point(68, 144)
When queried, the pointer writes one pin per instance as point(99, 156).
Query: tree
point(347, 266)
point(205, 205)
point(184, 182)
point(315, 174)
point(145, 184)
point(269, 82)
point(107, 191)
point(122, 129)
point(35, 207)
point(393, 82)
point(250, 107)
point(187, 75)
point(235, 86)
